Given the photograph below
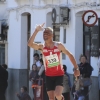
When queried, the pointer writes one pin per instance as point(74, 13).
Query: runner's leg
point(59, 87)
point(51, 95)
point(58, 92)
point(50, 87)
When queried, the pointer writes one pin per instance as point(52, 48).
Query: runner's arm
point(31, 42)
point(69, 54)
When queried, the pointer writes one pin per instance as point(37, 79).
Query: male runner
point(52, 61)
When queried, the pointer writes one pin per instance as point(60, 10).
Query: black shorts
point(53, 81)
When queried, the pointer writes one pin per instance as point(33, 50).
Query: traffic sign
point(90, 18)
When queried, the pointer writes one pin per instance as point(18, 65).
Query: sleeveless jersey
point(53, 61)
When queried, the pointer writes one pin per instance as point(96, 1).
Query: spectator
point(3, 82)
point(24, 94)
point(42, 70)
point(33, 76)
point(41, 56)
point(42, 75)
point(85, 71)
point(77, 91)
point(66, 84)
point(37, 62)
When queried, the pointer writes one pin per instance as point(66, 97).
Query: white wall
point(48, 20)
point(78, 36)
point(3, 11)
point(14, 41)
point(12, 3)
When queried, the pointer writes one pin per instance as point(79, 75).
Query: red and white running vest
point(53, 61)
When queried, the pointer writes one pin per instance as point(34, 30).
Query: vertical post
point(54, 32)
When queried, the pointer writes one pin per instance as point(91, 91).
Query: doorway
point(87, 42)
point(25, 34)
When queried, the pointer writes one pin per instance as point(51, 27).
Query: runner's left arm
point(69, 54)
point(71, 57)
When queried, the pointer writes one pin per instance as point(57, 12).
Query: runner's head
point(48, 34)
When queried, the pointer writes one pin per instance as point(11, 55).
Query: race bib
point(53, 60)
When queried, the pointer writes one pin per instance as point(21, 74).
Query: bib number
point(53, 60)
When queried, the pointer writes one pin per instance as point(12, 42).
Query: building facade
point(22, 17)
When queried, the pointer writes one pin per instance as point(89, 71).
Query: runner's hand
point(76, 73)
point(40, 27)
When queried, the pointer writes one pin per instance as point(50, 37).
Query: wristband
point(76, 69)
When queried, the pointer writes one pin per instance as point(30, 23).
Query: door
point(87, 42)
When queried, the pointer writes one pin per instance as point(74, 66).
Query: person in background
point(3, 82)
point(77, 91)
point(37, 62)
point(41, 72)
point(98, 65)
point(66, 84)
point(85, 71)
point(24, 94)
point(42, 75)
point(41, 56)
point(33, 76)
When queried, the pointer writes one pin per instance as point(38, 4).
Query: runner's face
point(47, 35)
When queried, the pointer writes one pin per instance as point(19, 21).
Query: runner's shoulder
point(59, 45)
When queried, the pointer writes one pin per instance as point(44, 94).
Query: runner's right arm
point(31, 42)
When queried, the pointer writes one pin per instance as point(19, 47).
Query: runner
point(52, 58)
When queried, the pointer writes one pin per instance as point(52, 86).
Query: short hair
point(4, 66)
point(25, 88)
point(36, 54)
point(82, 55)
point(65, 67)
point(49, 28)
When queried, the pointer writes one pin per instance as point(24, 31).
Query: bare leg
point(51, 95)
point(58, 92)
